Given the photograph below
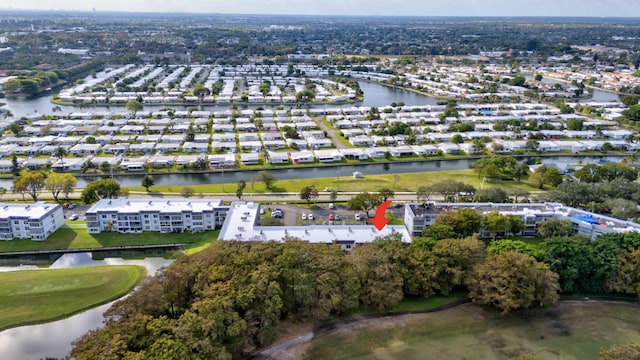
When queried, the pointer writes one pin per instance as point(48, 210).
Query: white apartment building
point(29, 221)
point(166, 216)
point(243, 218)
point(419, 216)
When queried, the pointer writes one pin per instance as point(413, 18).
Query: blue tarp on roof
point(586, 218)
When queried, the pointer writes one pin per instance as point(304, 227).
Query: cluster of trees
point(33, 182)
point(619, 197)
point(457, 191)
point(230, 299)
point(367, 201)
point(501, 167)
point(100, 189)
point(31, 83)
point(467, 222)
point(593, 173)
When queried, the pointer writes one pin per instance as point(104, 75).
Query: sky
point(590, 8)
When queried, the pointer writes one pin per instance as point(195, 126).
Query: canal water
point(219, 177)
point(54, 339)
point(374, 95)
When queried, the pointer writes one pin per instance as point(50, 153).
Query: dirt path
point(298, 347)
point(292, 349)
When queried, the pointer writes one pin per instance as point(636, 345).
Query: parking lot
point(292, 214)
point(75, 212)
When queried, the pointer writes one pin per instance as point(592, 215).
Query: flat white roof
point(241, 225)
point(169, 205)
point(33, 211)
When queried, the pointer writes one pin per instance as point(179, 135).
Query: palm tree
point(60, 153)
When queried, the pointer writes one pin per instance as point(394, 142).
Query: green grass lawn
point(77, 237)
point(397, 182)
point(37, 296)
point(569, 330)
point(432, 302)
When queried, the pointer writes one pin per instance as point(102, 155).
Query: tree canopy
point(512, 281)
point(31, 183)
point(100, 189)
point(308, 193)
point(267, 178)
point(60, 183)
point(365, 201)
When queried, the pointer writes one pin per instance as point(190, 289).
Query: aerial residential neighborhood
point(319, 180)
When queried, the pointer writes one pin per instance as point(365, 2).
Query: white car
point(357, 216)
point(304, 216)
point(310, 217)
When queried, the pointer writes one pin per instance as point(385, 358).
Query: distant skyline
point(589, 8)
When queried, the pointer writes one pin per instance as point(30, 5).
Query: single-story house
point(250, 159)
point(197, 147)
point(354, 154)
point(449, 148)
point(160, 161)
point(277, 157)
point(400, 151)
point(222, 160)
point(304, 156)
point(85, 149)
point(69, 164)
point(328, 155)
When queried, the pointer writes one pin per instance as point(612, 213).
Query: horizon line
point(94, 11)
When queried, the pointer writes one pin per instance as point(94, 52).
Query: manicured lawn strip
point(36, 296)
point(77, 238)
point(403, 182)
point(569, 330)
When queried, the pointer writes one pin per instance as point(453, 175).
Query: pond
point(54, 339)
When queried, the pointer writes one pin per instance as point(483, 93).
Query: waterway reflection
point(51, 339)
point(54, 339)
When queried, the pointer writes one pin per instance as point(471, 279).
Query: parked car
point(331, 206)
point(331, 217)
point(303, 216)
point(73, 217)
point(310, 217)
point(336, 217)
point(357, 216)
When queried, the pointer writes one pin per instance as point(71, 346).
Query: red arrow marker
point(380, 221)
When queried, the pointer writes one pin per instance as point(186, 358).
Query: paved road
point(275, 197)
point(331, 133)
